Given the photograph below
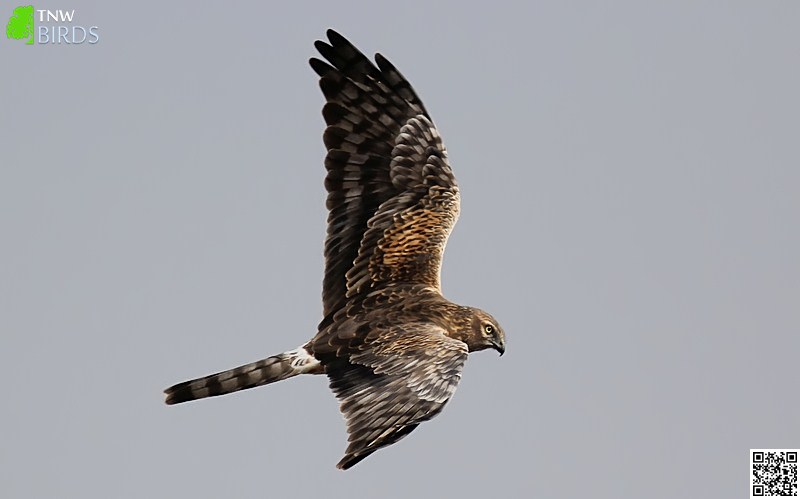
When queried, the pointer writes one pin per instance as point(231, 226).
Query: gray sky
point(630, 179)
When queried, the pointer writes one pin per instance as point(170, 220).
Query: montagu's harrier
point(391, 345)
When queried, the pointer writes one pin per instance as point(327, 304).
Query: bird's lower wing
point(397, 379)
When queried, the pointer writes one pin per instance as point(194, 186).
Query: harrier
point(391, 345)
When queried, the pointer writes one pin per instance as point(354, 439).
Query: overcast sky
point(630, 177)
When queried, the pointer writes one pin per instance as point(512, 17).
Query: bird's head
point(485, 332)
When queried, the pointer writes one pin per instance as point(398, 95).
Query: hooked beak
point(499, 345)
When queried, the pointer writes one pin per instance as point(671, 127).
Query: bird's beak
point(499, 345)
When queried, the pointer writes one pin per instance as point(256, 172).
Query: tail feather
point(262, 372)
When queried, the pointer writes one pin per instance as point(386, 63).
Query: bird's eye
point(488, 328)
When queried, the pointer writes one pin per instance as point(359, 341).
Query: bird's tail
point(262, 372)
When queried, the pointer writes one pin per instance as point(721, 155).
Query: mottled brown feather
point(403, 377)
point(392, 346)
point(387, 170)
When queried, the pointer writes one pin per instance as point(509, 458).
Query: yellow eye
point(488, 328)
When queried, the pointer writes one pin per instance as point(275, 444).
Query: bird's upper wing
point(395, 379)
point(392, 196)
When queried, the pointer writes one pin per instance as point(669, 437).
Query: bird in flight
point(391, 345)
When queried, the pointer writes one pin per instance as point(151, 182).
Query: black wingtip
point(320, 67)
point(336, 38)
point(321, 46)
point(384, 64)
point(349, 461)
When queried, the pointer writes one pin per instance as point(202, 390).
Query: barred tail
point(262, 372)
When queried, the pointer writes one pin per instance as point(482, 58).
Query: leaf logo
point(20, 25)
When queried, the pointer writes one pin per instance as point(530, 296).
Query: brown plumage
point(391, 345)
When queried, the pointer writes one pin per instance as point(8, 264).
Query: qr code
point(773, 473)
